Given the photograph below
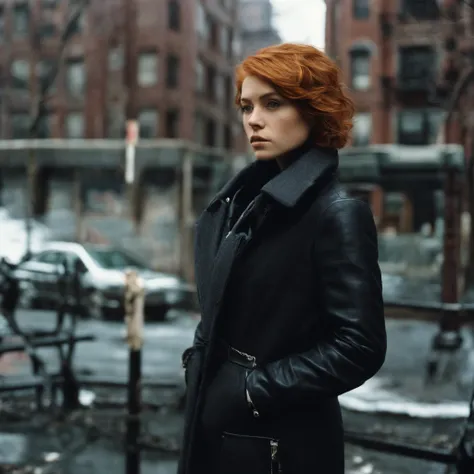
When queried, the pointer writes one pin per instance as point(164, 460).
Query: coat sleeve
point(345, 257)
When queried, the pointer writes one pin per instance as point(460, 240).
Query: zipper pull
point(276, 466)
point(274, 447)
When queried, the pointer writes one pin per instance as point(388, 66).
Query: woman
point(288, 282)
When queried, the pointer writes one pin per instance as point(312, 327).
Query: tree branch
point(53, 72)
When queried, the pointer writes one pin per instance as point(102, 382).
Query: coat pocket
point(243, 454)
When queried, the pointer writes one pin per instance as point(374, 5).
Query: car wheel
point(95, 309)
point(27, 298)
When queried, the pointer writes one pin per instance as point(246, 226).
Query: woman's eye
point(246, 108)
point(273, 104)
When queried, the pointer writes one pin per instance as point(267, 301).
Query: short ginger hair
point(312, 81)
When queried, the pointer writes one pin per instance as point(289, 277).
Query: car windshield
point(112, 259)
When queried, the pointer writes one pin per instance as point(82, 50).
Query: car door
point(40, 274)
point(75, 263)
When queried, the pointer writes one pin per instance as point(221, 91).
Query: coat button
point(227, 199)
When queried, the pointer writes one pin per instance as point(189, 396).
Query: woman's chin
point(264, 155)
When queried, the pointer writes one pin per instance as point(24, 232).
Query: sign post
point(131, 143)
point(134, 305)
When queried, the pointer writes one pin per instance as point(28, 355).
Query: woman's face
point(273, 125)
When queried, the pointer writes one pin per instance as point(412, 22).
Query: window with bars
point(360, 69)
point(417, 65)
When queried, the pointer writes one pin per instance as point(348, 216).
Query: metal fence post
point(134, 304)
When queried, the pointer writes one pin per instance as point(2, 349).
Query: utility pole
point(130, 80)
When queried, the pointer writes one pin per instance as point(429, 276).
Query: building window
point(202, 21)
point(20, 74)
point(229, 92)
point(115, 121)
point(420, 9)
point(227, 137)
point(172, 123)
point(220, 88)
point(147, 69)
point(2, 23)
point(360, 9)
point(211, 132)
point(75, 125)
point(76, 77)
point(47, 27)
point(362, 130)
point(21, 20)
point(172, 73)
point(115, 59)
point(417, 66)
point(213, 33)
point(174, 15)
point(200, 76)
point(44, 126)
point(225, 40)
point(418, 126)
point(20, 125)
point(148, 120)
point(360, 69)
point(211, 82)
point(45, 72)
point(78, 26)
point(199, 128)
point(237, 45)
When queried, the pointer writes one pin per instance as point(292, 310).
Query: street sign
point(131, 142)
point(132, 131)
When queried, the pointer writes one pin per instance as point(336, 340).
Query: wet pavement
point(402, 375)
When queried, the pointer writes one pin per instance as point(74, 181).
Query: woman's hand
point(226, 405)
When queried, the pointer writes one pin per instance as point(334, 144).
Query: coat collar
point(289, 185)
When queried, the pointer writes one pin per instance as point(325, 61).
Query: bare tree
point(39, 109)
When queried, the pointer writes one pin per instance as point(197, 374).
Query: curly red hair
point(306, 76)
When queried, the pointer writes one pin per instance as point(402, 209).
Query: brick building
point(185, 53)
point(390, 52)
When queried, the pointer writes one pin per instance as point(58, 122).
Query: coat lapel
point(215, 253)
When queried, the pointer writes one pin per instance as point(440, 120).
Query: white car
point(102, 276)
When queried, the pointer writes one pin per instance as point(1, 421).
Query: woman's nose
point(255, 119)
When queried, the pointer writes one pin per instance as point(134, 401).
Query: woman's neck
point(286, 159)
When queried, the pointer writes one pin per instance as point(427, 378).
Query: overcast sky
point(301, 21)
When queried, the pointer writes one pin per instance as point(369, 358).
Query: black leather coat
point(297, 279)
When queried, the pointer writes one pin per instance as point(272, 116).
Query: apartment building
point(185, 49)
point(390, 52)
